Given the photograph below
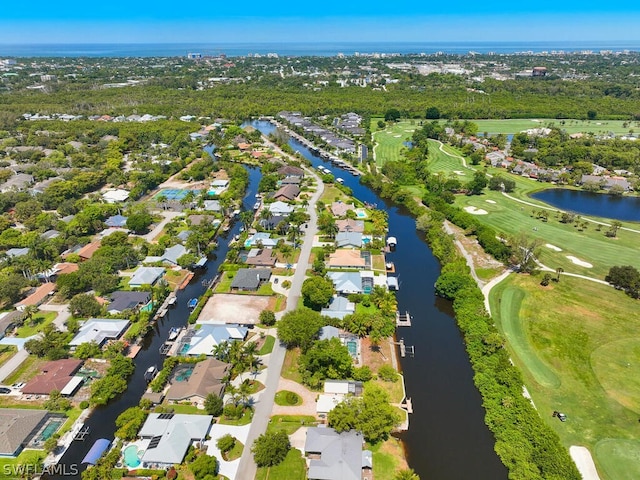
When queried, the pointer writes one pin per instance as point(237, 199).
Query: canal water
point(102, 420)
point(447, 437)
point(594, 204)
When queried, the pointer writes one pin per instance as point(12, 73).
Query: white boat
point(173, 333)
point(172, 300)
point(256, 205)
point(392, 242)
point(150, 373)
point(340, 180)
point(236, 213)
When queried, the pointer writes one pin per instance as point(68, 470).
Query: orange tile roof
point(40, 294)
point(88, 250)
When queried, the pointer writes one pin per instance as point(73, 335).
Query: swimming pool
point(361, 213)
point(132, 456)
point(183, 374)
point(352, 346)
point(47, 432)
point(184, 349)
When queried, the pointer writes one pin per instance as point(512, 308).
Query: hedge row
point(527, 446)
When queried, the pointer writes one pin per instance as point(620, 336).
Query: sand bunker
point(490, 201)
point(475, 211)
point(553, 247)
point(397, 136)
point(458, 172)
point(579, 262)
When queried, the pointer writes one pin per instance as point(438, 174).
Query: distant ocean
point(301, 49)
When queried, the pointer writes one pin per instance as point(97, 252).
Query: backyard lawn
point(36, 324)
point(576, 343)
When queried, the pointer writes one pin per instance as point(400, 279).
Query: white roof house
point(116, 195)
point(210, 335)
point(327, 402)
point(146, 276)
point(280, 208)
point(99, 330)
point(171, 436)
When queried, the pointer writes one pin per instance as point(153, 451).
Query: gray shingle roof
point(250, 278)
point(340, 454)
point(16, 428)
point(123, 300)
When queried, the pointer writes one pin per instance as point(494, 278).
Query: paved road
point(247, 468)
point(13, 363)
point(168, 216)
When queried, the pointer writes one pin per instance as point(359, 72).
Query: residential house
point(127, 300)
point(336, 456)
point(146, 276)
point(280, 208)
point(352, 259)
point(200, 219)
point(606, 182)
point(206, 378)
point(99, 330)
point(350, 225)
point(292, 180)
point(339, 307)
point(18, 182)
point(287, 193)
point(250, 278)
point(170, 437)
point(261, 239)
point(203, 340)
point(116, 221)
point(19, 426)
point(50, 235)
point(86, 252)
point(170, 255)
point(38, 296)
point(290, 170)
point(346, 283)
point(272, 222)
point(8, 321)
point(348, 239)
point(212, 206)
point(335, 391)
point(340, 209)
point(261, 258)
point(16, 252)
point(183, 235)
point(55, 375)
point(116, 195)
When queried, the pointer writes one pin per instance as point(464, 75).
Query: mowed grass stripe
point(514, 329)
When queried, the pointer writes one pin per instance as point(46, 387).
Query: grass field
point(37, 323)
point(292, 468)
point(571, 126)
point(583, 334)
point(449, 165)
point(389, 142)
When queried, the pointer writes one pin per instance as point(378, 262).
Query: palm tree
point(246, 218)
point(162, 200)
point(407, 474)
point(615, 225)
point(29, 312)
point(559, 270)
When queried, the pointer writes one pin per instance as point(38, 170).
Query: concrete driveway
point(228, 469)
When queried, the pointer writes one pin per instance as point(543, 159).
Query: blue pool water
point(352, 347)
point(132, 456)
point(50, 429)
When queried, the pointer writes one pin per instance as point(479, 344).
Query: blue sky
point(121, 21)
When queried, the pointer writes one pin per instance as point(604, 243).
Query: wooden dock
point(406, 349)
point(82, 434)
point(403, 320)
point(133, 351)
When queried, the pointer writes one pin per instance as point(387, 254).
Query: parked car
point(4, 390)
point(561, 416)
point(18, 385)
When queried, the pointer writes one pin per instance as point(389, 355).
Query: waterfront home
point(350, 225)
point(272, 222)
point(250, 278)
point(348, 239)
point(280, 208)
point(99, 330)
point(206, 378)
point(292, 180)
point(287, 193)
point(55, 375)
point(212, 206)
point(146, 276)
point(260, 239)
point(606, 182)
point(203, 340)
point(346, 283)
point(127, 300)
point(339, 307)
point(19, 427)
point(170, 255)
point(340, 209)
point(335, 391)
point(336, 456)
point(291, 171)
point(261, 258)
point(349, 259)
point(200, 219)
point(170, 436)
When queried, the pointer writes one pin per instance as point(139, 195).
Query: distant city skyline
point(124, 21)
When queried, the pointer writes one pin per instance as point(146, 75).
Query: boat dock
point(82, 433)
point(403, 320)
